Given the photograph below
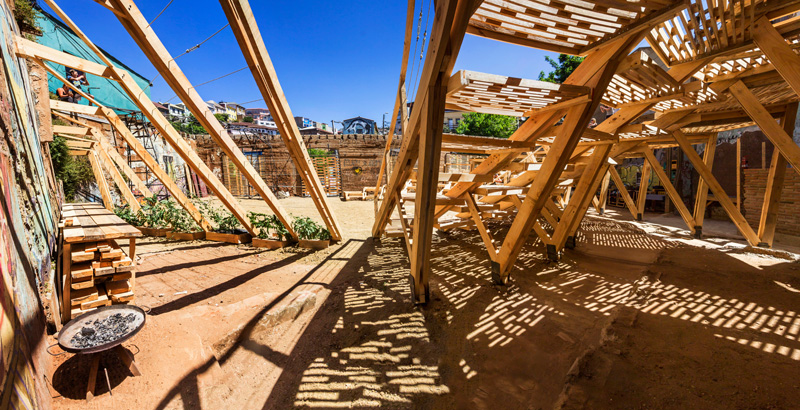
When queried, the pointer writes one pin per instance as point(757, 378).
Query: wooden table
point(92, 223)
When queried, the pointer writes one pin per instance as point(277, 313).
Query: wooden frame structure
point(261, 66)
point(716, 80)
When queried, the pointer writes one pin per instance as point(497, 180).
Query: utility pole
point(383, 124)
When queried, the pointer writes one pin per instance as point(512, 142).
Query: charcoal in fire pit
point(102, 331)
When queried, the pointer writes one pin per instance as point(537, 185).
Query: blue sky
point(335, 60)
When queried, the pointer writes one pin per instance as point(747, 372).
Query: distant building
point(174, 112)
point(315, 131)
point(304, 123)
point(162, 109)
point(452, 119)
point(258, 114)
point(239, 128)
point(235, 111)
point(359, 125)
point(215, 107)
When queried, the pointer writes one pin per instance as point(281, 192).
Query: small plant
point(225, 221)
point(270, 227)
point(180, 220)
point(155, 213)
point(310, 230)
point(126, 214)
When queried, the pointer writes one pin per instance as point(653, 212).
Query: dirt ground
point(637, 316)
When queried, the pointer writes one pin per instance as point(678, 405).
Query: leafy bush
point(126, 214)
point(318, 152)
point(225, 221)
point(73, 172)
point(308, 229)
point(181, 221)
point(25, 13)
point(270, 227)
point(155, 213)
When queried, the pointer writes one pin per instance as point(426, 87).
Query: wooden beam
point(603, 199)
point(582, 197)
point(102, 184)
point(141, 32)
point(644, 184)
point(596, 71)
point(670, 189)
point(136, 146)
point(112, 152)
point(245, 28)
point(108, 165)
point(449, 27)
point(782, 141)
point(626, 196)
point(701, 198)
point(427, 182)
point(486, 236)
point(775, 181)
point(716, 189)
point(400, 105)
point(780, 54)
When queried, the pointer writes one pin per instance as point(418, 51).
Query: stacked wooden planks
point(101, 274)
point(97, 272)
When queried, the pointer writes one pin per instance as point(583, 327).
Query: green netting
point(58, 36)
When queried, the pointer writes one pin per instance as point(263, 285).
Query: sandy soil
point(638, 316)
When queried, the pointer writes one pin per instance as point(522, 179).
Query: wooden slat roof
point(497, 94)
point(563, 26)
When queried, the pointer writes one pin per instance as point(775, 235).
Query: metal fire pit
point(75, 326)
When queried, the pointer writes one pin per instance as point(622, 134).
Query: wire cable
point(424, 47)
point(211, 81)
point(159, 14)
point(196, 46)
point(414, 54)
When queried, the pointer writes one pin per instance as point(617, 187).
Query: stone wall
point(754, 185)
point(359, 160)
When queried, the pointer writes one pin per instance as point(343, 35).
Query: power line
point(424, 47)
point(160, 13)
point(414, 54)
point(211, 81)
point(195, 47)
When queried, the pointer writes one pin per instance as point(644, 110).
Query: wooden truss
point(553, 167)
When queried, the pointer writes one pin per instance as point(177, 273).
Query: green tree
point(73, 171)
point(562, 68)
point(487, 125)
point(247, 119)
point(222, 117)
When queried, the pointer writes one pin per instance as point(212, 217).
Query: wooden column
point(604, 193)
point(702, 188)
point(577, 206)
point(716, 188)
point(644, 183)
point(626, 196)
point(486, 236)
point(430, 148)
point(775, 179)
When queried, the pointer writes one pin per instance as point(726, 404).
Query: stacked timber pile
point(102, 274)
point(95, 270)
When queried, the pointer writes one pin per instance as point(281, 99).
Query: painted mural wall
point(28, 211)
